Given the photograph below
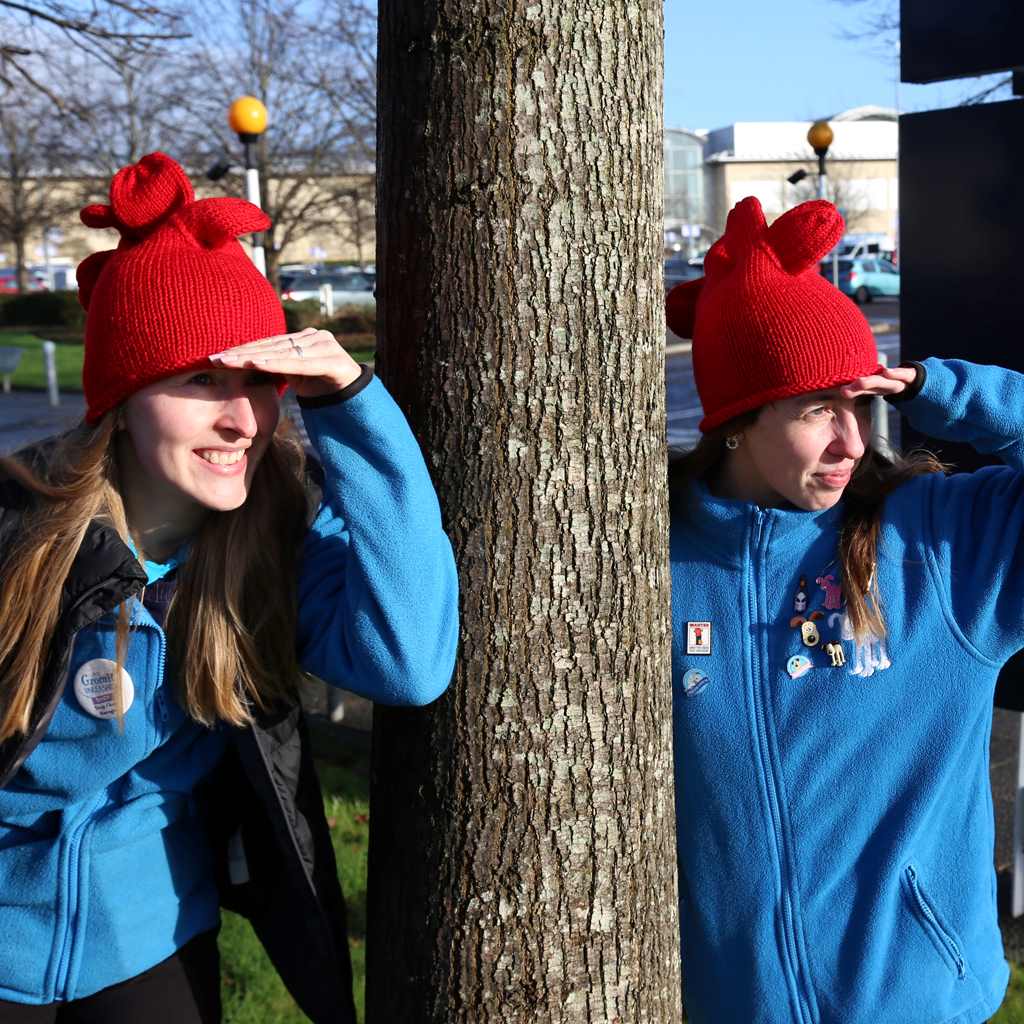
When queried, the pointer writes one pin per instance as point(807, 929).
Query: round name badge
point(94, 688)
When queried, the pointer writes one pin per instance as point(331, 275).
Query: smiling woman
point(168, 569)
point(845, 614)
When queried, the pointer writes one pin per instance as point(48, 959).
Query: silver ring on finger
point(298, 349)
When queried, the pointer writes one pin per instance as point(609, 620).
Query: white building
point(755, 158)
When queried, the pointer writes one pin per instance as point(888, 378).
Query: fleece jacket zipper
point(70, 879)
point(761, 689)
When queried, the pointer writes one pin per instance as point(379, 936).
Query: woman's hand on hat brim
point(311, 361)
point(891, 381)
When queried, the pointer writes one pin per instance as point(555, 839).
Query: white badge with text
point(94, 688)
point(698, 638)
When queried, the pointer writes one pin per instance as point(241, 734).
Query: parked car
point(678, 268)
point(864, 278)
point(35, 280)
point(351, 287)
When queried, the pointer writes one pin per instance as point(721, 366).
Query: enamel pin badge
point(698, 638)
point(799, 665)
point(693, 682)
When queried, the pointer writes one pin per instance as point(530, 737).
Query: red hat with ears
point(177, 288)
point(765, 324)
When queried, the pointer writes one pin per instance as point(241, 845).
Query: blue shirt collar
point(158, 570)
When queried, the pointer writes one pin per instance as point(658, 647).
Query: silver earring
point(732, 442)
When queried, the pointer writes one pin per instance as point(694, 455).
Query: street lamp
point(819, 137)
point(247, 117)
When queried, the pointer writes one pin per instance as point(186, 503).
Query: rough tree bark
point(522, 858)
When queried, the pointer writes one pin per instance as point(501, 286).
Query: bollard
point(880, 419)
point(50, 362)
point(1017, 903)
point(327, 299)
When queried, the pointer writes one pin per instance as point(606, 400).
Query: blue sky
point(755, 60)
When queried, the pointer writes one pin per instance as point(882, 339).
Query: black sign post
point(962, 231)
point(942, 39)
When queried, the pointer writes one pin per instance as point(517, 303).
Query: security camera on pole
point(819, 137)
point(248, 118)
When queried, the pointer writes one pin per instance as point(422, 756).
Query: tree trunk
point(20, 269)
point(522, 856)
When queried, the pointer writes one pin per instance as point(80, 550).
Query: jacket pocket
point(928, 917)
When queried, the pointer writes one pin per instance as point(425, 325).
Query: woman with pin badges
point(168, 569)
point(834, 817)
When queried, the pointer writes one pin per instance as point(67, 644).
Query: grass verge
point(31, 372)
point(1012, 1010)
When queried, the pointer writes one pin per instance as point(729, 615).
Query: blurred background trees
point(90, 88)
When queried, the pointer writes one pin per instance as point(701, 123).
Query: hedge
point(347, 320)
point(43, 309)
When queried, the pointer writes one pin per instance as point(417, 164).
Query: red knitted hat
point(765, 324)
point(177, 288)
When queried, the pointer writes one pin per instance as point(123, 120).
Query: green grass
point(250, 987)
point(1012, 1010)
point(30, 372)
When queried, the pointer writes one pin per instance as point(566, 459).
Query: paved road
point(26, 416)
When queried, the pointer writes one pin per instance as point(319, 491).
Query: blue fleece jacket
point(104, 866)
point(835, 825)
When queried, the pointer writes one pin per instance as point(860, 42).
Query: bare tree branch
point(67, 17)
point(111, 31)
point(880, 28)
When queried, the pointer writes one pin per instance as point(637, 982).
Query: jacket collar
point(104, 572)
point(723, 526)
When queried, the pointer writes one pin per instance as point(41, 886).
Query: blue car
point(864, 278)
point(678, 269)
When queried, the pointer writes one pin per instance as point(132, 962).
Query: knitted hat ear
point(744, 225)
point(147, 192)
point(805, 234)
point(98, 215)
point(215, 222)
point(681, 307)
point(717, 259)
point(88, 273)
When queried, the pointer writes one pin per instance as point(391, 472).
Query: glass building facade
point(684, 191)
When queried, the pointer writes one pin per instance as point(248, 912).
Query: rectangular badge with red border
point(698, 638)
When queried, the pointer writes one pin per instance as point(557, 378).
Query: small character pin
point(834, 650)
point(799, 665)
point(869, 654)
point(799, 620)
point(833, 591)
point(698, 638)
point(694, 681)
point(809, 634)
point(800, 601)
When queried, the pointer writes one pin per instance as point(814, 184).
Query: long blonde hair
point(231, 623)
point(877, 475)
